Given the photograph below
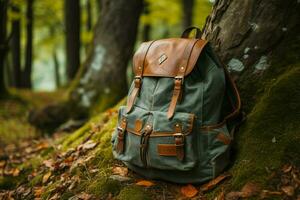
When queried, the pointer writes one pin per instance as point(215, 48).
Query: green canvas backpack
point(180, 114)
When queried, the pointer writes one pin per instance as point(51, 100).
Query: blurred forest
point(49, 40)
point(65, 68)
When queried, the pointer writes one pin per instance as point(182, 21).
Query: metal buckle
point(180, 78)
point(178, 135)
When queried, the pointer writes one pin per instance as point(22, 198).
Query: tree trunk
point(89, 21)
point(16, 48)
point(103, 78)
point(252, 36)
point(29, 45)
point(247, 34)
point(147, 26)
point(56, 69)
point(187, 19)
point(3, 43)
point(72, 23)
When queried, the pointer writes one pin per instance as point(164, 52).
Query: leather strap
point(139, 75)
point(187, 32)
point(121, 136)
point(178, 82)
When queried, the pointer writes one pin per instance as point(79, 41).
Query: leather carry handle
point(187, 32)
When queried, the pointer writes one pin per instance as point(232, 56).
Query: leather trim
point(173, 49)
point(166, 150)
point(223, 138)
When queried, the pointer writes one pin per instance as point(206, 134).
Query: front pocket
point(154, 141)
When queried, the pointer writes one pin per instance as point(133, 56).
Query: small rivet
point(177, 125)
point(182, 68)
point(140, 67)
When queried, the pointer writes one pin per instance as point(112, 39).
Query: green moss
point(102, 187)
point(36, 180)
point(133, 193)
point(275, 117)
point(7, 182)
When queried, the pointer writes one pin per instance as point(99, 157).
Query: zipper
point(144, 144)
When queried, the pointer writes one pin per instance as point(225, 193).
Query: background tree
point(29, 45)
point(187, 19)
point(72, 26)
point(103, 76)
point(256, 39)
point(3, 43)
point(15, 45)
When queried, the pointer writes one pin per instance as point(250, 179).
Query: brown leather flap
point(166, 57)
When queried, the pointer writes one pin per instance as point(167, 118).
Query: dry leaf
point(288, 190)
point(250, 189)
point(42, 145)
point(15, 172)
point(46, 177)
point(84, 196)
point(189, 191)
point(122, 171)
point(220, 196)
point(233, 195)
point(49, 163)
point(145, 183)
point(266, 194)
point(211, 184)
point(287, 168)
point(2, 163)
point(38, 191)
point(89, 145)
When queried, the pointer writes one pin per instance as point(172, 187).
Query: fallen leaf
point(288, 190)
point(211, 184)
point(89, 145)
point(2, 163)
point(46, 177)
point(145, 183)
point(220, 196)
point(250, 189)
point(42, 145)
point(15, 172)
point(266, 194)
point(287, 168)
point(189, 191)
point(84, 196)
point(122, 171)
point(233, 195)
point(38, 191)
point(49, 163)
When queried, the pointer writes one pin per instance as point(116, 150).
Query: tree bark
point(56, 69)
point(72, 23)
point(3, 43)
point(103, 78)
point(16, 48)
point(254, 38)
point(29, 45)
point(247, 34)
point(187, 19)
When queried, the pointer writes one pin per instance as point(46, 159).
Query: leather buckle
point(137, 81)
point(179, 136)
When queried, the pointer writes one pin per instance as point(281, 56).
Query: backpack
point(181, 112)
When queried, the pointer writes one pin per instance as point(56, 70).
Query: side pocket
point(216, 142)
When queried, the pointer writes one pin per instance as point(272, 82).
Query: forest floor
point(80, 165)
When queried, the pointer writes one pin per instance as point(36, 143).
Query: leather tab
point(177, 94)
point(121, 136)
point(166, 150)
point(179, 143)
point(134, 93)
point(223, 138)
